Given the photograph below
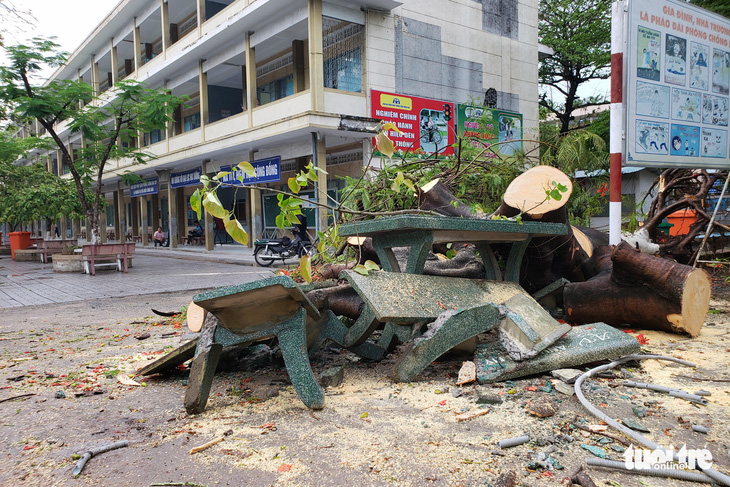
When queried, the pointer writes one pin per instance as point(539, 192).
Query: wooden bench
point(49, 247)
point(458, 309)
point(118, 254)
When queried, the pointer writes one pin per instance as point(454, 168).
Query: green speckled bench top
point(406, 298)
point(451, 229)
point(254, 306)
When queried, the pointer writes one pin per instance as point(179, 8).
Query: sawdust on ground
point(372, 430)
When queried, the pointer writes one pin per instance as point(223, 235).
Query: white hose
point(718, 477)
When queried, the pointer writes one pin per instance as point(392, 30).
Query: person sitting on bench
point(197, 232)
point(159, 237)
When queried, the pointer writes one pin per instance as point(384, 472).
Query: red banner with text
point(426, 125)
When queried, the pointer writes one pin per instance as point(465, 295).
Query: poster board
point(678, 85)
point(424, 128)
point(488, 126)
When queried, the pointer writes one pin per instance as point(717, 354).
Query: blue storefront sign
point(144, 188)
point(186, 178)
point(267, 171)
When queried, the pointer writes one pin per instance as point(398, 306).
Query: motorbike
point(268, 250)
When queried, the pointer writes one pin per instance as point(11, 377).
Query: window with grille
point(342, 42)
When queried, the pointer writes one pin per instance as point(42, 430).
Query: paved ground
point(155, 270)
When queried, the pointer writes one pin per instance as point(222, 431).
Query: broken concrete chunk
point(569, 376)
point(562, 387)
point(467, 373)
point(542, 409)
point(581, 345)
point(635, 425)
point(332, 377)
point(484, 397)
point(527, 329)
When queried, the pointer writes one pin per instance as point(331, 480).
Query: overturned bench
point(117, 254)
point(457, 310)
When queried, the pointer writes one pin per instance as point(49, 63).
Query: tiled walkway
point(154, 271)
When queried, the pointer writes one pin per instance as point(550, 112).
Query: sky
point(71, 21)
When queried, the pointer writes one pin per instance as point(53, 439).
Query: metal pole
point(617, 121)
point(712, 221)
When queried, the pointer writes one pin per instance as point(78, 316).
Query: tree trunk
point(643, 291)
point(528, 193)
point(434, 196)
point(343, 300)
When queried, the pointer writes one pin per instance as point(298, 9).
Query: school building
point(280, 83)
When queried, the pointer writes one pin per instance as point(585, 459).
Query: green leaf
point(213, 206)
point(236, 231)
point(221, 175)
point(195, 204)
point(280, 223)
point(361, 269)
point(371, 266)
point(205, 180)
point(562, 188)
point(305, 265)
point(293, 186)
point(364, 415)
point(247, 168)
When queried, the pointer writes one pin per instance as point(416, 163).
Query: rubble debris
point(567, 375)
point(581, 345)
point(562, 387)
point(332, 377)
point(700, 429)
point(541, 409)
point(635, 425)
point(467, 373)
point(527, 329)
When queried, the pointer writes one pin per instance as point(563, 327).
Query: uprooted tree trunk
point(638, 289)
point(680, 189)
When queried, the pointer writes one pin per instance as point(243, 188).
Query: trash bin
point(665, 227)
point(18, 241)
point(682, 220)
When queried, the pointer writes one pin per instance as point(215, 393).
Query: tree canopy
point(579, 34)
point(108, 123)
point(721, 7)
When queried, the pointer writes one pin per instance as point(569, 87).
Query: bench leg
point(201, 379)
point(293, 343)
point(393, 334)
point(362, 328)
point(514, 260)
point(449, 330)
point(334, 330)
point(180, 355)
point(418, 243)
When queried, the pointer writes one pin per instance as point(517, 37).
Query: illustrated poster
point(649, 45)
point(652, 137)
point(714, 110)
point(714, 143)
point(686, 105)
point(720, 71)
point(652, 100)
point(699, 72)
point(685, 141)
point(675, 60)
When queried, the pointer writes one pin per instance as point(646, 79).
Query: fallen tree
point(633, 288)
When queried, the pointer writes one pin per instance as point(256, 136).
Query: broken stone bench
point(242, 315)
point(457, 308)
point(419, 232)
point(118, 254)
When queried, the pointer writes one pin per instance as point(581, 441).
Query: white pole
point(617, 121)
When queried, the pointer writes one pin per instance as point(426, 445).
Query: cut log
point(195, 317)
point(642, 291)
point(342, 300)
point(364, 248)
point(464, 264)
point(527, 192)
point(434, 196)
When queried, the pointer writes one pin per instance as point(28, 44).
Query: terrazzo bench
point(461, 308)
point(247, 313)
